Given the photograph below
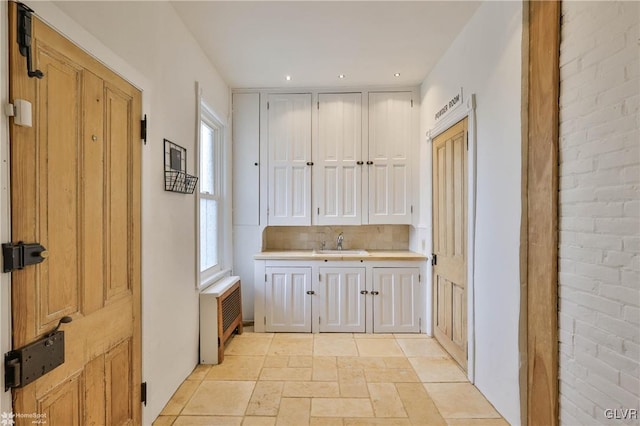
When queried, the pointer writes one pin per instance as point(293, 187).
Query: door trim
point(468, 112)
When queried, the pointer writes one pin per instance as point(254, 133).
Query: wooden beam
point(542, 213)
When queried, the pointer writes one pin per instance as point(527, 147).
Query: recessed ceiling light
point(288, 78)
point(341, 76)
point(397, 74)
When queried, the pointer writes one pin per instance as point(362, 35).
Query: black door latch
point(17, 256)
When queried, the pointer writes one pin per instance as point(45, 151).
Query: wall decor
point(176, 178)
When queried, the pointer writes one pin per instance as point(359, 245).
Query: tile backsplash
point(372, 237)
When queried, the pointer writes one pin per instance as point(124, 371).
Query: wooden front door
point(450, 240)
point(75, 185)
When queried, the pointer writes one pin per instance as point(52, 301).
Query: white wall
point(485, 59)
point(599, 212)
point(150, 46)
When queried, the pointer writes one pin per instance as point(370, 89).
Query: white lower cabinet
point(395, 294)
point(340, 299)
point(339, 296)
point(287, 299)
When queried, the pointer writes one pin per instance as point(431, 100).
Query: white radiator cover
point(209, 319)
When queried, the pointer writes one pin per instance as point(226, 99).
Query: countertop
point(312, 255)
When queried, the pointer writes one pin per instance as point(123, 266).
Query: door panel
point(340, 304)
point(395, 305)
point(289, 147)
point(287, 304)
point(76, 189)
point(338, 176)
point(449, 240)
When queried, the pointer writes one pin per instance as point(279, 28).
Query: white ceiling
point(258, 43)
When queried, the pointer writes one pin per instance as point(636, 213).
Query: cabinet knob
point(311, 292)
point(255, 164)
point(359, 163)
point(375, 293)
point(363, 292)
point(369, 162)
point(309, 163)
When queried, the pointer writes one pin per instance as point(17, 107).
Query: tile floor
point(330, 379)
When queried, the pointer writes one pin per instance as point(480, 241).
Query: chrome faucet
point(339, 241)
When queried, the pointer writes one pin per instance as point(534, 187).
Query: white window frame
point(208, 117)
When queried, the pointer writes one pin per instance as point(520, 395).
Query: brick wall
point(599, 212)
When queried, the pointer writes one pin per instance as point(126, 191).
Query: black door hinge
point(17, 256)
point(143, 393)
point(434, 260)
point(143, 129)
point(25, 38)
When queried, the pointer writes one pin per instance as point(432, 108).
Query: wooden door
point(396, 299)
point(390, 151)
point(287, 301)
point(75, 179)
point(338, 177)
point(289, 147)
point(450, 240)
point(340, 300)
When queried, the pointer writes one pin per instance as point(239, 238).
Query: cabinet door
point(287, 304)
point(338, 176)
point(390, 150)
point(246, 158)
point(289, 147)
point(396, 300)
point(341, 305)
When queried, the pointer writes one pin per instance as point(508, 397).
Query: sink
point(350, 252)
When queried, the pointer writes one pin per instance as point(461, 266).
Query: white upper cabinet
point(289, 154)
point(390, 151)
point(338, 168)
point(246, 158)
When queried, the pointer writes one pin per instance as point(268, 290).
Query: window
point(210, 195)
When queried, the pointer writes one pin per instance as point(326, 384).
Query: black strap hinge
point(17, 256)
point(143, 393)
point(434, 260)
point(143, 129)
point(25, 38)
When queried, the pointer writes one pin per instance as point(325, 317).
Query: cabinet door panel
point(390, 150)
point(246, 154)
point(341, 306)
point(338, 177)
point(287, 304)
point(396, 304)
point(289, 148)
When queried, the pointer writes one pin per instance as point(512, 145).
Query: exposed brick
point(628, 296)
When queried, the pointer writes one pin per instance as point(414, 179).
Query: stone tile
point(311, 389)
point(390, 375)
point(341, 407)
point(208, 421)
point(258, 421)
point(325, 369)
point(422, 348)
point(361, 362)
point(294, 412)
point(241, 345)
point(373, 336)
point(438, 370)
point(265, 400)
point(477, 422)
point(226, 398)
point(334, 345)
point(418, 405)
point(199, 372)
point(164, 421)
point(352, 383)
point(396, 362)
point(447, 397)
point(386, 401)
point(291, 346)
point(378, 347)
point(180, 398)
point(300, 361)
point(280, 337)
point(237, 367)
point(411, 336)
point(276, 361)
point(325, 421)
point(285, 374)
point(379, 421)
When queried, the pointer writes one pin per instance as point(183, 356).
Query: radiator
point(220, 317)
